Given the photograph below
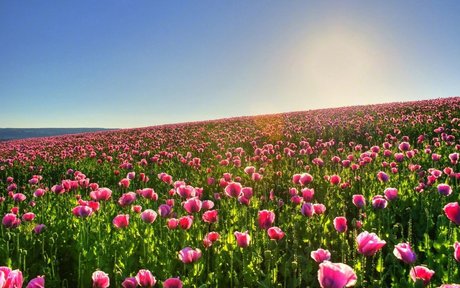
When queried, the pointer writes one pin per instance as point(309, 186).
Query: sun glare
point(341, 67)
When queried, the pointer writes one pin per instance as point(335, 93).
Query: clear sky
point(123, 64)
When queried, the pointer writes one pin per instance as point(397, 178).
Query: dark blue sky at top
point(141, 63)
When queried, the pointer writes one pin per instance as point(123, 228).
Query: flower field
point(363, 196)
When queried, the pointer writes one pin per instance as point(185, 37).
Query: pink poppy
point(172, 223)
point(335, 180)
point(149, 216)
point(101, 194)
point(444, 189)
point(307, 209)
point(391, 193)
point(307, 194)
point(100, 279)
point(242, 239)
point(266, 219)
point(37, 282)
point(319, 208)
point(172, 283)
point(369, 243)
point(207, 204)
point(233, 189)
point(38, 229)
point(452, 211)
point(127, 199)
point(189, 255)
point(422, 273)
point(185, 222)
point(10, 220)
point(336, 275)
point(210, 216)
point(404, 252)
point(82, 211)
point(10, 278)
point(192, 205)
point(121, 221)
point(145, 278)
point(340, 224)
point(320, 255)
point(275, 233)
point(305, 179)
point(39, 192)
point(359, 201)
point(457, 251)
point(27, 217)
point(148, 193)
point(130, 282)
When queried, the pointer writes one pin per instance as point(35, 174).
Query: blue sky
point(141, 63)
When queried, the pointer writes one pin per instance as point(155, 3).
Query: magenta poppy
point(210, 216)
point(335, 179)
point(82, 211)
point(421, 273)
point(37, 282)
point(101, 194)
point(172, 283)
point(27, 217)
point(305, 179)
point(404, 252)
point(307, 209)
point(189, 255)
point(185, 222)
point(369, 243)
point(121, 221)
point(275, 233)
point(336, 275)
point(391, 193)
point(266, 219)
point(127, 199)
point(457, 251)
point(444, 189)
point(100, 279)
point(130, 282)
point(149, 216)
point(340, 224)
point(319, 208)
point(358, 200)
point(192, 205)
point(242, 239)
point(10, 220)
point(148, 193)
point(320, 255)
point(308, 194)
point(145, 278)
point(233, 189)
point(164, 210)
point(452, 211)
point(382, 176)
point(379, 202)
point(39, 228)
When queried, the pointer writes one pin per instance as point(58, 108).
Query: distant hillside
point(21, 133)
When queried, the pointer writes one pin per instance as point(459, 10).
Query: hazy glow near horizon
point(121, 64)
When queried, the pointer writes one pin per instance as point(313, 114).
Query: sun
point(341, 66)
